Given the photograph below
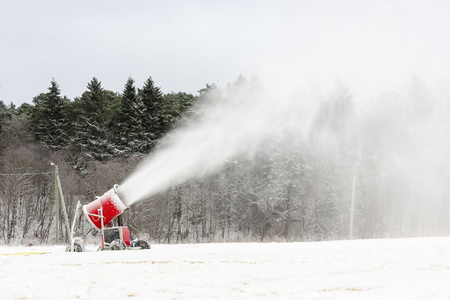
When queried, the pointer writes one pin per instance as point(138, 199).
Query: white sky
point(183, 45)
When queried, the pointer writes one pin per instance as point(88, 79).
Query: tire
point(76, 248)
point(142, 244)
point(118, 245)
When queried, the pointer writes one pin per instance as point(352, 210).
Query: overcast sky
point(183, 45)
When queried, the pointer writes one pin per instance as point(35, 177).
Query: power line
point(26, 174)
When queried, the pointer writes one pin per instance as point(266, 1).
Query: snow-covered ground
point(414, 268)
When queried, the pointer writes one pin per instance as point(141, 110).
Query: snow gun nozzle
point(106, 208)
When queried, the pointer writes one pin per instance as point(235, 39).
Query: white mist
point(223, 128)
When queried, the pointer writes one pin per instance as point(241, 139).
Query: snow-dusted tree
point(20, 201)
point(176, 106)
point(333, 128)
point(5, 114)
point(152, 113)
point(50, 123)
point(289, 181)
point(127, 123)
point(92, 136)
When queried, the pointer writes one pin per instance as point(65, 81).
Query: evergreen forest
point(362, 171)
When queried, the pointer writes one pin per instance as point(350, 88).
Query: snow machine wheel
point(76, 248)
point(142, 244)
point(118, 245)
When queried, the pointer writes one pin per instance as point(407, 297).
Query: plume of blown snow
point(226, 124)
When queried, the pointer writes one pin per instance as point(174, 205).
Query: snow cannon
point(104, 209)
point(100, 214)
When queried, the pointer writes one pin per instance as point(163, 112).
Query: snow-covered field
point(414, 268)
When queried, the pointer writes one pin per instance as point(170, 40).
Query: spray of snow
point(399, 140)
point(222, 128)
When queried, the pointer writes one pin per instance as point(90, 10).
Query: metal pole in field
point(352, 205)
point(56, 203)
point(63, 205)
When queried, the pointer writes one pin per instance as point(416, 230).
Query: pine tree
point(127, 125)
point(152, 113)
point(92, 136)
point(176, 106)
point(5, 114)
point(49, 119)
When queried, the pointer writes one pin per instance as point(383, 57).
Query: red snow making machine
point(100, 213)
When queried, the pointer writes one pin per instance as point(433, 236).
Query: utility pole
point(63, 205)
point(56, 203)
point(353, 203)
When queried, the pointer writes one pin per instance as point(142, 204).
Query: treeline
point(97, 130)
point(387, 164)
point(102, 124)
